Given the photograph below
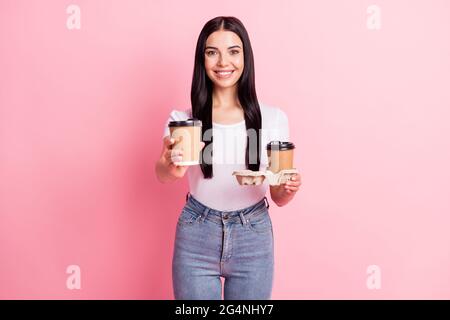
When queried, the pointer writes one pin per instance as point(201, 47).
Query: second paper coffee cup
point(280, 155)
point(190, 132)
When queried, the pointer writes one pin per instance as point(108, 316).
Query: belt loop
point(187, 196)
point(205, 214)
point(243, 219)
point(267, 201)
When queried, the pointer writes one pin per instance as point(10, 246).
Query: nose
point(222, 61)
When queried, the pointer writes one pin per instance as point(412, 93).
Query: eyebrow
point(209, 47)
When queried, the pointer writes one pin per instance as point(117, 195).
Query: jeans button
point(225, 217)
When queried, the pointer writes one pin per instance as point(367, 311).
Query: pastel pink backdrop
point(82, 113)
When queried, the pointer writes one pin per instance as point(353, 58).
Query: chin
point(224, 85)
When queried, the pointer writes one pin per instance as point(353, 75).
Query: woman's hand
point(171, 156)
point(284, 193)
point(293, 184)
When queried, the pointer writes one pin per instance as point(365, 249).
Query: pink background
point(82, 113)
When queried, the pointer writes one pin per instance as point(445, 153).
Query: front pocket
point(261, 223)
point(188, 217)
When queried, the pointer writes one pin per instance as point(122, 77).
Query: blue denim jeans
point(236, 245)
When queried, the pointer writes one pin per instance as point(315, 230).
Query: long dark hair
point(202, 87)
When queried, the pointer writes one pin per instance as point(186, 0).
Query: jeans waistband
point(231, 216)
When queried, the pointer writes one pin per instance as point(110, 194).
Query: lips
point(224, 73)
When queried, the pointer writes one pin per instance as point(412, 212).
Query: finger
point(291, 188)
point(176, 159)
point(172, 153)
point(202, 144)
point(176, 152)
point(167, 155)
point(180, 166)
point(168, 141)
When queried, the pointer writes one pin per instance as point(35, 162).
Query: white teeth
point(225, 73)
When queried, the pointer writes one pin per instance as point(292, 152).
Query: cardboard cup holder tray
point(249, 177)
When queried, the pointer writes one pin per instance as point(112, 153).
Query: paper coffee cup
point(280, 155)
point(190, 132)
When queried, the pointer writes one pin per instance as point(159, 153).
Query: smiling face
point(224, 58)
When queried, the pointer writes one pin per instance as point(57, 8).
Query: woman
point(224, 229)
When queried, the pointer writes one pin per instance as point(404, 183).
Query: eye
point(234, 51)
point(209, 53)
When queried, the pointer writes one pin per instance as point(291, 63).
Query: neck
point(225, 98)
